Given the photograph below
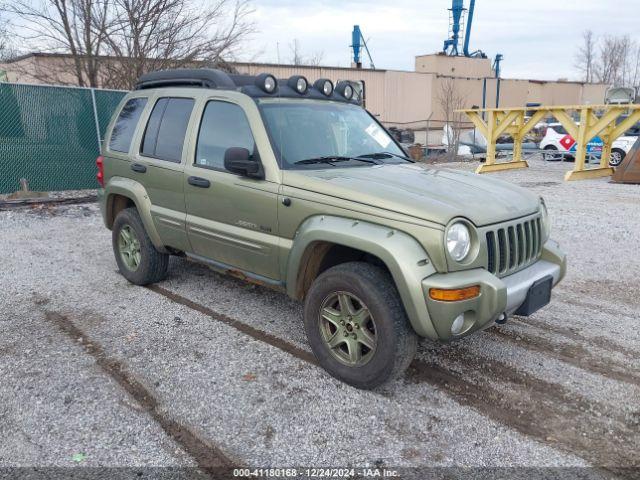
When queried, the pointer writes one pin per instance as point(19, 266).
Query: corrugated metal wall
point(412, 99)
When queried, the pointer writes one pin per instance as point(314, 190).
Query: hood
point(435, 195)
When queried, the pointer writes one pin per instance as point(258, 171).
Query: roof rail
point(201, 77)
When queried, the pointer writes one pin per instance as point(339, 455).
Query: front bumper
point(497, 295)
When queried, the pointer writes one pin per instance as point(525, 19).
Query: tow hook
point(502, 319)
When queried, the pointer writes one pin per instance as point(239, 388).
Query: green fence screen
point(49, 135)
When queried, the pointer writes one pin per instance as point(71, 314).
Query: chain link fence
point(51, 136)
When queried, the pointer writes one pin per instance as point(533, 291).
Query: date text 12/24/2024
point(314, 473)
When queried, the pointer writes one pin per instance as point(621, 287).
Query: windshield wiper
point(333, 159)
point(381, 155)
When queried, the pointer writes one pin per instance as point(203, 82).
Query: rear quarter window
point(125, 126)
point(166, 129)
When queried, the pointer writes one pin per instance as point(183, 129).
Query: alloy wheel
point(348, 329)
point(129, 248)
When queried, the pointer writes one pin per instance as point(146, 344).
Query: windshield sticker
point(378, 135)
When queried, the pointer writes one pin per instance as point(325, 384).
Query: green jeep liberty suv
point(298, 187)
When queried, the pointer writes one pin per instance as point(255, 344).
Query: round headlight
point(267, 82)
point(348, 92)
point(270, 84)
point(299, 84)
point(544, 219)
point(458, 241)
point(325, 86)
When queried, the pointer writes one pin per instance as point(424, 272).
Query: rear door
point(158, 164)
point(231, 219)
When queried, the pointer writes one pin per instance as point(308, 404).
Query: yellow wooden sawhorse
point(595, 120)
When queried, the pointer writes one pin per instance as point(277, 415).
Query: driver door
point(231, 219)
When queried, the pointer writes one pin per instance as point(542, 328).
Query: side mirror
point(239, 161)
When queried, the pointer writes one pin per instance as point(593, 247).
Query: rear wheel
point(548, 154)
point(357, 326)
point(137, 258)
point(617, 157)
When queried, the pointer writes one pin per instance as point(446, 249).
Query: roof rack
point(201, 77)
point(247, 84)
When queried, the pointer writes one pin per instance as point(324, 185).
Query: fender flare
point(402, 254)
point(138, 195)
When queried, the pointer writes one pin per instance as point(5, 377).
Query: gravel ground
point(94, 366)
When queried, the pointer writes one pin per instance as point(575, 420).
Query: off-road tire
point(153, 264)
point(396, 340)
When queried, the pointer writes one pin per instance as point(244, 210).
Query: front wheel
point(617, 157)
point(137, 258)
point(357, 326)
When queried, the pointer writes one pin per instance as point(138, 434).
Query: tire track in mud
point(572, 334)
point(536, 408)
point(574, 354)
point(209, 458)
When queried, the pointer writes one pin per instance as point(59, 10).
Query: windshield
point(320, 134)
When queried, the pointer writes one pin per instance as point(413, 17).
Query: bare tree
point(615, 64)
point(296, 53)
point(316, 59)
point(160, 34)
point(451, 100)
point(77, 27)
point(585, 57)
point(4, 44)
point(112, 42)
point(298, 58)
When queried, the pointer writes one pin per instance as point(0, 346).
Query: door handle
point(138, 167)
point(199, 182)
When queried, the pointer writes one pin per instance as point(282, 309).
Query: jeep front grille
point(511, 248)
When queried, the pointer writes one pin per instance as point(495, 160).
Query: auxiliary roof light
point(325, 86)
point(345, 89)
point(299, 84)
point(266, 82)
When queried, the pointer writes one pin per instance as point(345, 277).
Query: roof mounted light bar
point(263, 85)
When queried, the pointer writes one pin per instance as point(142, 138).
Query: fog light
point(325, 86)
point(266, 82)
point(299, 84)
point(457, 325)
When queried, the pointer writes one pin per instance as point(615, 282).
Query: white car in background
point(558, 145)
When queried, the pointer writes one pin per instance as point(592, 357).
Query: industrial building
point(404, 99)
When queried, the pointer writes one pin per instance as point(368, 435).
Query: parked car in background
point(559, 145)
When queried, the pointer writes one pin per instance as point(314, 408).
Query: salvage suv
point(297, 187)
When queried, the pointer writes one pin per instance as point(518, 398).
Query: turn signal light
point(456, 295)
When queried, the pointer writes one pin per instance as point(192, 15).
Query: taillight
point(100, 175)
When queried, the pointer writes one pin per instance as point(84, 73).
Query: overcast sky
point(538, 38)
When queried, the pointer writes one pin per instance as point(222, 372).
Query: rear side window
point(560, 129)
point(166, 129)
point(224, 125)
point(125, 125)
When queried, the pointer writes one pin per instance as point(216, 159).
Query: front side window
point(224, 125)
point(125, 125)
point(166, 129)
point(303, 132)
